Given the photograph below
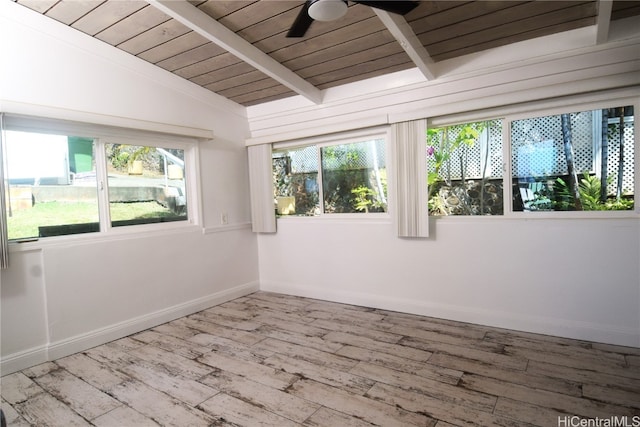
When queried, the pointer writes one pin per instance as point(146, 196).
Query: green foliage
point(442, 147)
point(121, 156)
point(24, 223)
point(590, 196)
point(363, 198)
point(341, 157)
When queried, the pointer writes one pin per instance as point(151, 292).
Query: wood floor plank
point(616, 348)
point(560, 349)
point(243, 337)
point(231, 347)
point(236, 412)
point(158, 406)
point(322, 374)
point(325, 417)
point(286, 324)
point(185, 348)
point(260, 373)
point(384, 347)
point(445, 392)
point(357, 329)
point(593, 363)
point(174, 329)
point(227, 321)
point(40, 370)
point(508, 361)
point(45, 410)
point(612, 395)
point(262, 396)
point(80, 396)
point(173, 363)
point(346, 316)
point(312, 355)
point(527, 413)
point(18, 387)
point(335, 307)
point(115, 352)
point(583, 376)
point(416, 323)
point(569, 404)
point(186, 390)
point(13, 418)
point(123, 416)
point(273, 359)
point(633, 360)
point(359, 406)
point(93, 372)
point(515, 376)
point(446, 375)
point(450, 412)
point(315, 342)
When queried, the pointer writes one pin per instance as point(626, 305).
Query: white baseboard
point(18, 361)
point(24, 359)
point(580, 330)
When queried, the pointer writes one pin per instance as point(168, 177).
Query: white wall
point(577, 278)
point(573, 278)
point(66, 296)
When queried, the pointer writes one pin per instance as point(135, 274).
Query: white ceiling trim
point(203, 24)
point(403, 33)
point(603, 20)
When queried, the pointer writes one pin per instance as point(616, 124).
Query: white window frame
point(343, 138)
point(508, 114)
point(102, 135)
point(564, 109)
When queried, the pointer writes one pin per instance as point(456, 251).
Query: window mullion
point(320, 180)
point(507, 179)
point(102, 185)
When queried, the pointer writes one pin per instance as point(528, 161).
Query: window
point(61, 183)
point(330, 179)
point(465, 169)
point(580, 161)
point(146, 184)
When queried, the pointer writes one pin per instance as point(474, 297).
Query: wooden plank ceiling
point(352, 48)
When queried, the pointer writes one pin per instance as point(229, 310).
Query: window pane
point(354, 177)
point(51, 183)
point(295, 178)
point(574, 161)
point(146, 184)
point(465, 169)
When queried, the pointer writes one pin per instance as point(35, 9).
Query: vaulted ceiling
point(239, 49)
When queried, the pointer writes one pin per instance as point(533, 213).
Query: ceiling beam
point(212, 30)
point(603, 20)
point(403, 33)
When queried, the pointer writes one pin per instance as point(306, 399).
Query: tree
point(604, 154)
point(568, 153)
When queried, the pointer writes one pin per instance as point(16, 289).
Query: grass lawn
point(24, 223)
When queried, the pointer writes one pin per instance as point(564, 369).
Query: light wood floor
point(269, 359)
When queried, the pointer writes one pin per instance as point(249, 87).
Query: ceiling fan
point(328, 10)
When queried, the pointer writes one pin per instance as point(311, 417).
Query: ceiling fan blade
point(399, 7)
point(302, 23)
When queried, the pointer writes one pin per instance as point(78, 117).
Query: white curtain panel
point(263, 215)
point(4, 236)
point(410, 143)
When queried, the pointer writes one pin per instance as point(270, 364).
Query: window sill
point(536, 216)
point(379, 218)
point(114, 234)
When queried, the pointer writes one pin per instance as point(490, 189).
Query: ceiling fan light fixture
point(327, 10)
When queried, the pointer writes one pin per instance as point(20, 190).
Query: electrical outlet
point(224, 218)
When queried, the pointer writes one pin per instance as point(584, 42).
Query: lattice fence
point(538, 150)
point(483, 158)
